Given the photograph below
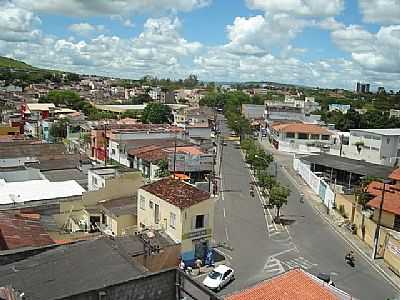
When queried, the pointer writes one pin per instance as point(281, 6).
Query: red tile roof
point(301, 128)
point(153, 155)
point(193, 150)
point(18, 231)
point(176, 192)
point(292, 285)
point(395, 175)
point(391, 201)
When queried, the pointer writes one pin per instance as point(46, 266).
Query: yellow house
point(183, 211)
point(119, 215)
point(9, 130)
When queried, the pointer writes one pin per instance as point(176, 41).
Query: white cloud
point(330, 24)
point(353, 39)
point(380, 11)
point(377, 52)
point(17, 24)
point(107, 7)
point(85, 28)
point(298, 7)
point(128, 23)
point(159, 50)
point(259, 34)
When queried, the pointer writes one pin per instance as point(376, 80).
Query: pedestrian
point(198, 264)
point(182, 265)
point(301, 198)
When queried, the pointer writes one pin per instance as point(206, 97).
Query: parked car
point(326, 278)
point(219, 277)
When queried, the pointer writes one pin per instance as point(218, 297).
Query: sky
point(332, 43)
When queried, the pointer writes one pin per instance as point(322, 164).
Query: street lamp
point(378, 226)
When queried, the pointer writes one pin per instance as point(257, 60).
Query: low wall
point(392, 253)
point(348, 204)
point(320, 187)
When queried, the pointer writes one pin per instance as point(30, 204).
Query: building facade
point(378, 146)
point(184, 212)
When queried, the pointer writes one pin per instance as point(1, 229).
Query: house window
point(325, 137)
point(388, 140)
point(172, 220)
point(290, 135)
point(200, 221)
point(94, 180)
point(151, 204)
point(142, 202)
point(303, 136)
point(315, 136)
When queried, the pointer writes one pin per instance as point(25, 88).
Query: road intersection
point(263, 249)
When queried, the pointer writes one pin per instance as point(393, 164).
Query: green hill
point(6, 62)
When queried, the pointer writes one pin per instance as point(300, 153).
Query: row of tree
point(270, 187)
point(155, 113)
point(354, 120)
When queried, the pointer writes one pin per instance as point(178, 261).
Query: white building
point(300, 138)
point(35, 190)
point(378, 146)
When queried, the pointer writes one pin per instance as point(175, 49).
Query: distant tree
point(139, 99)
point(266, 181)
point(191, 81)
point(163, 171)
point(238, 123)
point(58, 130)
point(278, 196)
point(157, 113)
point(130, 113)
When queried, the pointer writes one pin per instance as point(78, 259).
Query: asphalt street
point(263, 249)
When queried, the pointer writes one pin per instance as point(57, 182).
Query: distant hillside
point(6, 62)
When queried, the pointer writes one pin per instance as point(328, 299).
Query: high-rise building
point(362, 88)
point(381, 90)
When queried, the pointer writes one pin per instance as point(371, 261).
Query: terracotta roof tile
point(395, 175)
point(391, 201)
point(292, 285)
point(176, 192)
point(303, 128)
point(153, 155)
point(18, 231)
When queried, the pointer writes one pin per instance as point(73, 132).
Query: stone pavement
point(333, 218)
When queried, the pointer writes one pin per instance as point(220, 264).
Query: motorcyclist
point(301, 198)
point(252, 191)
point(350, 256)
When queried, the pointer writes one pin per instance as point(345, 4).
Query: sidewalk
point(335, 221)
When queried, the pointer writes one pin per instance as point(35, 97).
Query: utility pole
point(378, 226)
point(174, 155)
point(105, 144)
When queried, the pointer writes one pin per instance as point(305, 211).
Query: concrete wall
point(203, 208)
point(183, 232)
point(121, 223)
point(392, 253)
point(199, 132)
point(121, 186)
point(387, 219)
point(348, 202)
point(146, 215)
point(168, 258)
point(320, 187)
point(114, 153)
point(377, 149)
point(160, 286)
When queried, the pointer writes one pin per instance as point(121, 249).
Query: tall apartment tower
point(362, 88)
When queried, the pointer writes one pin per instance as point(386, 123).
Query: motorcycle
point(350, 260)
